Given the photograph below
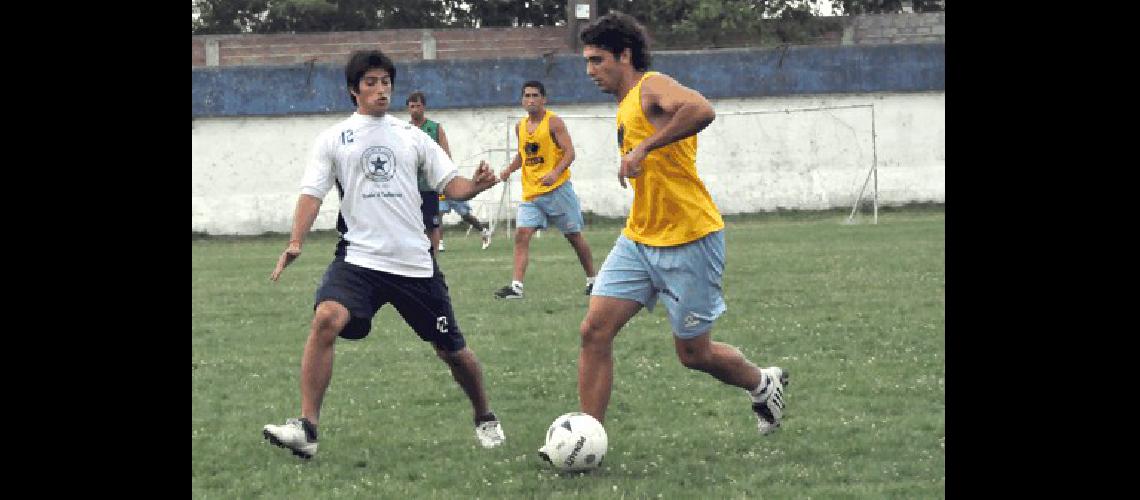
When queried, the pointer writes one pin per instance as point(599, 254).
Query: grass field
point(855, 312)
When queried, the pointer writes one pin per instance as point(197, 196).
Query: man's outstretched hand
point(287, 257)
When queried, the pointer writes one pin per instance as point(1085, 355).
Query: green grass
point(855, 312)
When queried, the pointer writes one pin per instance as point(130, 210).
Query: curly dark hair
point(616, 32)
point(360, 62)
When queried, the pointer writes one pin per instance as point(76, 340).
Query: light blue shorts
point(688, 277)
point(560, 207)
point(460, 207)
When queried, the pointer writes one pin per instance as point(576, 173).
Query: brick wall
point(501, 42)
point(899, 28)
point(401, 45)
point(197, 52)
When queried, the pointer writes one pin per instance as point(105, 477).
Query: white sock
point(590, 280)
point(517, 286)
point(760, 388)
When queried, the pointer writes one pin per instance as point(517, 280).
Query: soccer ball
point(575, 442)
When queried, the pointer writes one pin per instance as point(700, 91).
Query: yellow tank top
point(539, 155)
point(670, 203)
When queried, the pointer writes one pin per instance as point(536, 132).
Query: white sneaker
point(486, 237)
point(769, 403)
point(490, 433)
point(297, 435)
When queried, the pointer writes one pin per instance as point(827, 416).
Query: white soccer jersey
point(373, 162)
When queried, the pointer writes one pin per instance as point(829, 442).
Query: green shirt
point(431, 128)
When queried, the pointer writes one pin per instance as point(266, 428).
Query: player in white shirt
point(383, 255)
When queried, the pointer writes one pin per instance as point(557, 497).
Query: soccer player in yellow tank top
point(545, 152)
point(672, 247)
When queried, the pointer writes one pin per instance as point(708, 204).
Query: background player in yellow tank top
point(545, 152)
point(672, 247)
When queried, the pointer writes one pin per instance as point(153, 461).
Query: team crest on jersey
point(531, 149)
point(378, 163)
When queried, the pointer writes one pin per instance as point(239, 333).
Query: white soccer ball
point(575, 442)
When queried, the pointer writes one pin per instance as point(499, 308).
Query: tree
point(684, 22)
point(488, 13)
point(717, 23)
point(302, 16)
point(305, 16)
point(219, 17)
point(856, 7)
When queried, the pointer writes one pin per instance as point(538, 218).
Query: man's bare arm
point(561, 137)
point(304, 215)
point(443, 142)
point(462, 188)
point(515, 164)
point(674, 110)
point(679, 111)
point(510, 169)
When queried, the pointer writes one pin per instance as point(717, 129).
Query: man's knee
point(328, 320)
point(596, 335)
point(452, 358)
point(694, 356)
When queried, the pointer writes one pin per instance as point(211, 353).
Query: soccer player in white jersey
point(383, 255)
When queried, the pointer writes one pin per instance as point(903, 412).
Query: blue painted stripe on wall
point(284, 90)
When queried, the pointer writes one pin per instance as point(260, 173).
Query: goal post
point(752, 160)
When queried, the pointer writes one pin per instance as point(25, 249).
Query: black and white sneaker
point(589, 288)
point(489, 431)
point(297, 435)
point(769, 403)
point(485, 235)
point(508, 292)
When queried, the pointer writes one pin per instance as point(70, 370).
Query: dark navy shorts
point(422, 302)
point(430, 208)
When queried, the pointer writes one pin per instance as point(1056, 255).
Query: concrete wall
point(405, 45)
point(253, 126)
point(754, 157)
point(727, 73)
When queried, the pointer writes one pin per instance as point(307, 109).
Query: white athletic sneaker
point(490, 433)
point(297, 435)
point(769, 403)
point(486, 237)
